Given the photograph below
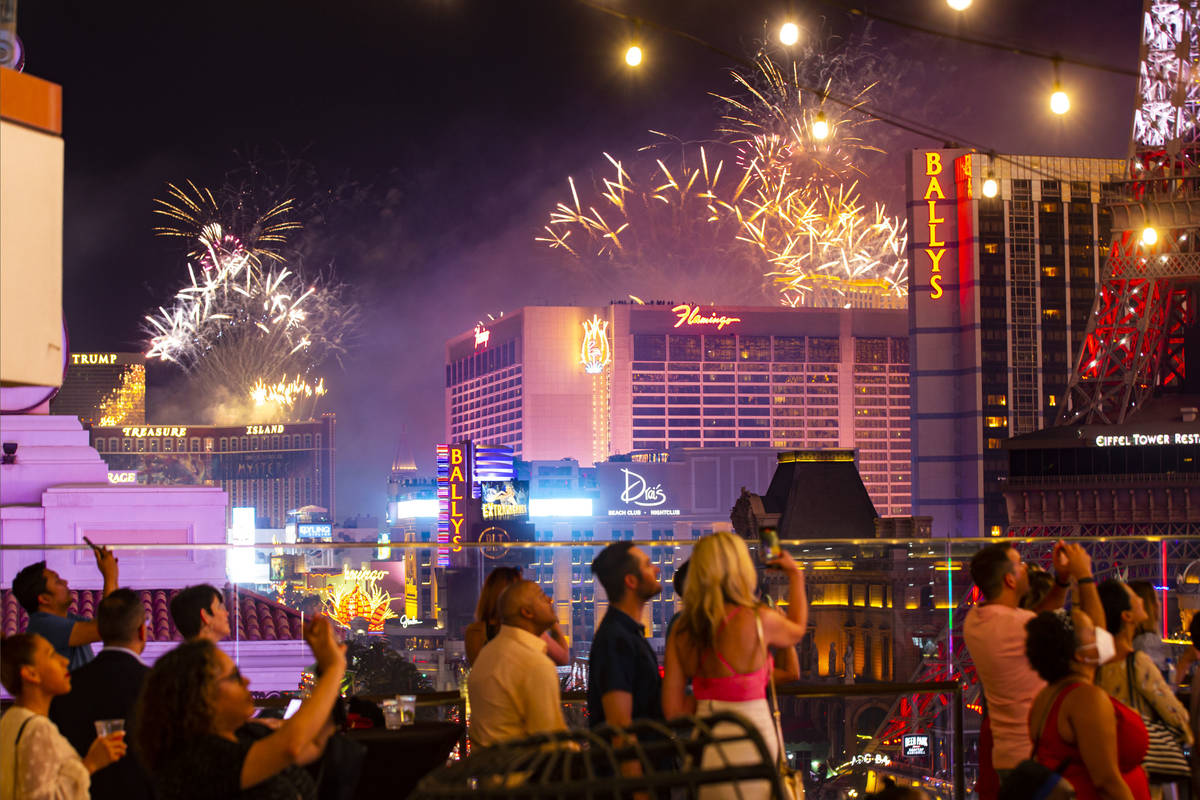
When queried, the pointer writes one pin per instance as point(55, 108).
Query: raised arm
point(785, 630)
point(293, 742)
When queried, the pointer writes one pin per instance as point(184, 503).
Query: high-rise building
point(103, 389)
point(1000, 291)
point(588, 383)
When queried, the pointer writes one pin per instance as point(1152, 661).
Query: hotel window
point(649, 347)
point(153, 447)
point(993, 444)
point(995, 422)
point(1051, 271)
point(754, 348)
point(789, 348)
point(684, 348)
point(997, 400)
point(824, 351)
point(112, 444)
point(719, 348)
point(99, 445)
point(1051, 400)
point(991, 248)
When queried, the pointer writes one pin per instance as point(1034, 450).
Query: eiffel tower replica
point(1144, 316)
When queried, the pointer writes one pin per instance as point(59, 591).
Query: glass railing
point(886, 688)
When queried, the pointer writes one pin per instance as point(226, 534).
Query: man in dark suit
point(107, 687)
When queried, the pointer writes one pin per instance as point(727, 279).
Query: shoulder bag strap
point(17, 751)
point(782, 758)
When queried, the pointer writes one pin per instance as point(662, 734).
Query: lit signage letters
point(936, 249)
point(258, 430)
point(915, 745)
point(1147, 439)
point(142, 433)
point(362, 574)
point(638, 493)
point(595, 354)
point(454, 492)
point(93, 358)
point(693, 315)
point(122, 477)
point(482, 335)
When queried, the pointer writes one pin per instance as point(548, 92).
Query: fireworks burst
point(245, 322)
point(781, 213)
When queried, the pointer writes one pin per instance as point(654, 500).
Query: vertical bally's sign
point(454, 492)
point(938, 207)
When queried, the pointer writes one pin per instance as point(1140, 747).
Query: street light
point(1059, 102)
point(820, 127)
point(633, 56)
point(789, 34)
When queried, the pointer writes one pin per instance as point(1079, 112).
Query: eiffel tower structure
point(1135, 347)
point(1144, 315)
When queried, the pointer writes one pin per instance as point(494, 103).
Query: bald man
point(514, 685)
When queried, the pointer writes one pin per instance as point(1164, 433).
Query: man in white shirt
point(514, 685)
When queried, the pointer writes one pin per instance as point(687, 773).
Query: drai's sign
point(1147, 439)
point(641, 497)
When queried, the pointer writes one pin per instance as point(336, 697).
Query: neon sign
point(454, 491)
point(1145, 439)
point(258, 430)
point(354, 597)
point(142, 433)
point(482, 335)
point(692, 315)
point(93, 358)
point(595, 354)
point(639, 493)
point(937, 248)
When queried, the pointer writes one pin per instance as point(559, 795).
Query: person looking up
point(721, 645)
point(193, 727)
point(199, 613)
point(107, 687)
point(1101, 741)
point(994, 632)
point(35, 760)
point(487, 619)
point(513, 686)
point(46, 597)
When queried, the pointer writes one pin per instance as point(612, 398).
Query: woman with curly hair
point(1095, 741)
point(720, 644)
point(36, 761)
point(192, 725)
point(487, 619)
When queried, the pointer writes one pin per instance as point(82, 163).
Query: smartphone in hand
point(769, 539)
point(95, 547)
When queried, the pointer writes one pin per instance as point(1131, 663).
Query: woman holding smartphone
point(721, 644)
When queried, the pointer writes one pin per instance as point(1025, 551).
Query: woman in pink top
point(720, 644)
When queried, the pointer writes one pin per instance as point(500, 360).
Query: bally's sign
point(638, 494)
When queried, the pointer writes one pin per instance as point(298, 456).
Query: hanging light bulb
point(959, 5)
point(789, 34)
point(991, 186)
point(820, 126)
point(1149, 236)
point(633, 56)
point(1059, 102)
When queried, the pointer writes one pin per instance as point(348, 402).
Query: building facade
point(1000, 290)
point(587, 383)
point(103, 389)
point(274, 468)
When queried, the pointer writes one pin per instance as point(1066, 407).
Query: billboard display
point(504, 499)
point(634, 489)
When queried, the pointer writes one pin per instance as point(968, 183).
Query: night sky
point(458, 122)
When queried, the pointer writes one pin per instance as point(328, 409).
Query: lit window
point(1052, 313)
point(997, 400)
point(1051, 401)
point(995, 422)
point(992, 248)
point(995, 530)
point(1050, 271)
point(993, 444)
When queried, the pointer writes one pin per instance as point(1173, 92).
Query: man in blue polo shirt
point(47, 598)
point(624, 682)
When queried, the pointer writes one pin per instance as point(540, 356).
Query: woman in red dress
point(1074, 722)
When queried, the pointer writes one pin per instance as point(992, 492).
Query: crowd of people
point(1074, 675)
point(1073, 688)
point(186, 725)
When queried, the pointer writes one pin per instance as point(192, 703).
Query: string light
point(990, 186)
point(633, 56)
point(959, 5)
point(1059, 102)
point(789, 34)
point(820, 126)
point(1149, 236)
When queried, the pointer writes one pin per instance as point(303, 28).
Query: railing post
point(960, 771)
